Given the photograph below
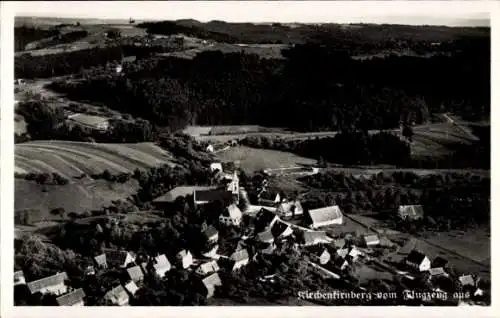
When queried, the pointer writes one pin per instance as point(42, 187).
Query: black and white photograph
point(167, 156)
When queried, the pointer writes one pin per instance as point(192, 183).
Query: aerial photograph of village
point(180, 162)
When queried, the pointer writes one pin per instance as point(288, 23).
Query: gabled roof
point(131, 287)
point(439, 262)
point(135, 273)
point(315, 236)
point(411, 211)
point(279, 228)
point(71, 298)
point(265, 217)
point(239, 255)
point(161, 260)
point(37, 285)
point(116, 257)
point(116, 293)
point(340, 262)
point(325, 214)
point(271, 194)
point(212, 280)
point(232, 211)
point(355, 252)
point(210, 231)
point(289, 207)
point(183, 254)
point(209, 267)
point(100, 259)
point(339, 243)
point(212, 195)
point(415, 257)
point(342, 252)
point(466, 280)
point(265, 236)
point(181, 191)
point(437, 271)
point(216, 166)
point(372, 238)
point(18, 275)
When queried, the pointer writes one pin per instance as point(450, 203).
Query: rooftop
point(37, 285)
point(239, 255)
point(211, 195)
point(181, 191)
point(71, 298)
point(415, 257)
point(325, 214)
point(87, 120)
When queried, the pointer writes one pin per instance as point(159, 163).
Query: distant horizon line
point(486, 23)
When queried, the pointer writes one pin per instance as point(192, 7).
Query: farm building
point(135, 273)
point(320, 254)
point(315, 237)
point(74, 298)
point(168, 198)
point(281, 229)
point(239, 258)
point(100, 261)
point(161, 265)
point(231, 215)
point(207, 268)
point(354, 254)
point(19, 278)
point(437, 271)
point(418, 261)
point(117, 258)
point(55, 284)
point(371, 240)
point(289, 209)
point(117, 296)
point(211, 234)
point(88, 122)
point(211, 195)
point(325, 216)
point(185, 258)
point(411, 212)
point(210, 283)
point(131, 288)
point(270, 197)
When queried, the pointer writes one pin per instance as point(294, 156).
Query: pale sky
point(394, 12)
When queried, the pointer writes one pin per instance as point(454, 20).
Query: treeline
point(314, 88)
point(349, 148)
point(62, 38)
point(24, 35)
point(65, 63)
point(450, 200)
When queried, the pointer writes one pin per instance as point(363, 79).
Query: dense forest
point(314, 88)
point(24, 35)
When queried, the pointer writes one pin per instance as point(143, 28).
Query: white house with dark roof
point(135, 273)
point(55, 284)
point(418, 261)
point(340, 263)
point(411, 212)
point(289, 209)
point(371, 240)
point(74, 298)
point(281, 229)
point(207, 268)
point(118, 258)
point(19, 278)
point(184, 258)
point(315, 237)
point(265, 219)
point(240, 258)
point(210, 282)
point(117, 296)
point(326, 216)
point(231, 215)
point(131, 288)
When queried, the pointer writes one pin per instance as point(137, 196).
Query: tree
point(408, 132)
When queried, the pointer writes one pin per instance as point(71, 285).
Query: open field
point(252, 159)
point(72, 159)
point(78, 197)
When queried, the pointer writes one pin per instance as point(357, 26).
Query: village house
point(161, 265)
point(212, 252)
point(166, 200)
point(264, 220)
point(118, 258)
point(289, 209)
point(55, 284)
point(418, 261)
point(315, 237)
point(371, 240)
point(89, 270)
point(88, 123)
point(265, 237)
point(340, 264)
point(439, 262)
point(281, 229)
point(411, 212)
point(74, 298)
point(231, 215)
point(239, 258)
point(184, 258)
point(135, 273)
point(216, 166)
point(207, 268)
point(320, 254)
point(210, 282)
point(270, 197)
point(100, 261)
point(466, 280)
point(211, 234)
point(343, 252)
point(131, 288)
point(210, 148)
point(19, 278)
point(212, 195)
point(354, 254)
point(117, 296)
point(325, 216)
point(437, 271)
point(339, 243)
